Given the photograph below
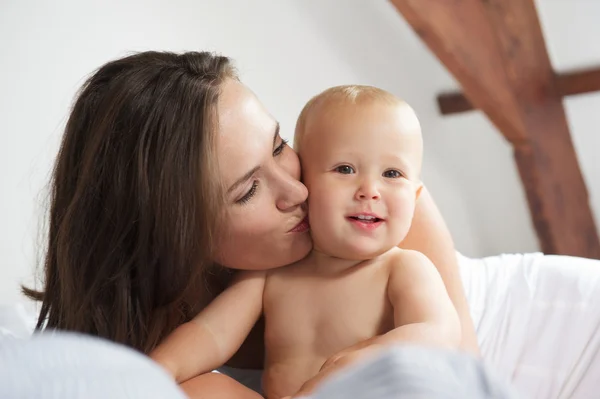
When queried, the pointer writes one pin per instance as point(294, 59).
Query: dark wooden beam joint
point(568, 84)
point(496, 51)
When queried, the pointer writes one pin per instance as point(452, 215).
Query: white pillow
point(69, 366)
point(16, 321)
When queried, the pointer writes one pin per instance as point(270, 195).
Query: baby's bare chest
point(325, 315)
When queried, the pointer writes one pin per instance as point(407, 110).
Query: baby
point(361, 153)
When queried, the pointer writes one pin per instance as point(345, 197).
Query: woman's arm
point(216, 333)
point(217, 386)
point(430, 236)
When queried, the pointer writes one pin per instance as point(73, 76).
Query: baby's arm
point(423, 311)
point(423, 314)
point(216, 333)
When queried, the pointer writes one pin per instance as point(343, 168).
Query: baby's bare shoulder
point(407, 262)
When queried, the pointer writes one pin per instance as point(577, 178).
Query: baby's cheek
point(320, 213)
point(401, 206)
point(320, 199)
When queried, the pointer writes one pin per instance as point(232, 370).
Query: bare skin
point(428, 234)
point(312, 319)
point(315, 321)
point(217, 386)
point(361, 163)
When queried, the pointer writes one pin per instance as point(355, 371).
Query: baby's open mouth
point(366, 219)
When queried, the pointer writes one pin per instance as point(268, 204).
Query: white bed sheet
point(537, 319)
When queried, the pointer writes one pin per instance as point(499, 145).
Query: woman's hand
point(337, 362)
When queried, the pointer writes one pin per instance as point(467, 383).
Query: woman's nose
point(291, 190)
point(293, 193)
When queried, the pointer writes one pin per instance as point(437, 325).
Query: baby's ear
point(419, 185)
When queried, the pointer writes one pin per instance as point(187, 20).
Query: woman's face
point(264, 224)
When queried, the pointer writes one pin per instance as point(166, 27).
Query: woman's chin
point(296, 250)
point(301, 247)
point(266, 255)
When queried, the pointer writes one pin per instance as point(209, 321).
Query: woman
point(171, 174)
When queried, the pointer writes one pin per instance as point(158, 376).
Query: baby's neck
point(330, 265)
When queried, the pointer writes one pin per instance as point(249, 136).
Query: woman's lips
point(301, 227)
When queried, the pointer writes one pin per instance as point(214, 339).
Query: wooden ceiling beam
point(496, 50)
point(571, 83)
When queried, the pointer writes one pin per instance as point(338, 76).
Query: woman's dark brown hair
point(134, 201)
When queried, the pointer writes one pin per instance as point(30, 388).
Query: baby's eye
point(345, 169)
point(392, 174)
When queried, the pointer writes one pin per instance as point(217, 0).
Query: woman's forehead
point(245, 130)
point(241, 114)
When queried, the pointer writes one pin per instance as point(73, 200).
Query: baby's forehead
point(340, 108)
point(375, 130)
point(374, 112)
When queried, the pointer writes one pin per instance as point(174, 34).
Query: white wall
point(286, 51)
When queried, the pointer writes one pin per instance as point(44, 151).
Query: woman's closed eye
point(252, 191)
point(249, 194)
point(279, 149)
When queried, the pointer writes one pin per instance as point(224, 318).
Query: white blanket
point(537, 319)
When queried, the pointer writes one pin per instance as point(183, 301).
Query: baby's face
point(361, 164)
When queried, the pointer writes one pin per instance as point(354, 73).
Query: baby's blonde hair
point(349, 94)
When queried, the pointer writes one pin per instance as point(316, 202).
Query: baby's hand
point(351, 353)
point(337, 362)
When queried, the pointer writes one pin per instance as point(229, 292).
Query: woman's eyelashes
point(249, 194)
point(277, 151)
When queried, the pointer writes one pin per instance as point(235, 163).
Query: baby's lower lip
point(370, 219)
point(365, 224)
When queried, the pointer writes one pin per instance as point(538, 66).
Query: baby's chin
point(355, 251)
